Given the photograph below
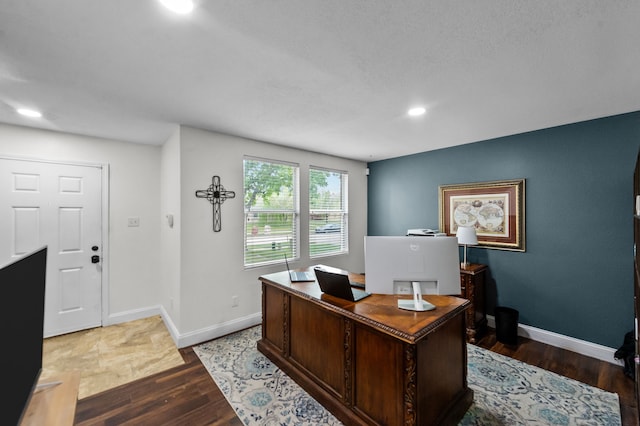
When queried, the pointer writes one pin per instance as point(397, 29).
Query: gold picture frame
point(496, 209)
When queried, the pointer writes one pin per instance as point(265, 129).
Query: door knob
point(95, 259)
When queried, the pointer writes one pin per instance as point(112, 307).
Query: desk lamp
point(467, 236)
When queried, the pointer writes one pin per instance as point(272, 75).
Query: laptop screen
point(338, 285)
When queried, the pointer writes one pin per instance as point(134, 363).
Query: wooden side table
point(53, 402)
point(472, 286)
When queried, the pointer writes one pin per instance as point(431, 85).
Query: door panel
point(58, 205)
point(26, 226)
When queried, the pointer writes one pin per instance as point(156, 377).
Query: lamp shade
point(467, 235)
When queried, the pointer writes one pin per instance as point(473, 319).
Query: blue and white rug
point(506, 391)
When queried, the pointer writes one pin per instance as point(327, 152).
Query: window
point(270, 212)
point(328, 213)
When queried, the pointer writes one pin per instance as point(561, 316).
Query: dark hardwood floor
point(183, 395)
point(186, 395)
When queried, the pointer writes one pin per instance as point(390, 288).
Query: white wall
point(134, 191)
point(212, 268)
point(170, 236)
point(188, 273)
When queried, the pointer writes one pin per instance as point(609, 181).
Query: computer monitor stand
point(417, 303)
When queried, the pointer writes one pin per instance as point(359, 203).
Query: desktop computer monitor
point(393, 264)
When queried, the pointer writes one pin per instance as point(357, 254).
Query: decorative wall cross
point(216, 194)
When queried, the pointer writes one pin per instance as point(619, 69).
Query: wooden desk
point(53, 402)
point(368, 362)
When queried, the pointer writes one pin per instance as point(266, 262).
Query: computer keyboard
point(356, 285)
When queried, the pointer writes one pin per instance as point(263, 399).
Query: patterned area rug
point(506, 391)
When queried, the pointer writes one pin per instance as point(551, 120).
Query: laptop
point(297, 277)
point(338, 285)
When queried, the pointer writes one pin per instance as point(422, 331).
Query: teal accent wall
point(576, 276)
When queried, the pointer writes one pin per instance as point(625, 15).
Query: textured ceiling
point(332, 76)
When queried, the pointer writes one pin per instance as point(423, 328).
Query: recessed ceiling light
point(178, 6)
point(414, 112)
point(29, 112)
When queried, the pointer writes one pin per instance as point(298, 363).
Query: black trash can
point(506, 325)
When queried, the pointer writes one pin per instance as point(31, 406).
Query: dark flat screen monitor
point(22, 328)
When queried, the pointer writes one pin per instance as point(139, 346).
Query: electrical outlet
point(234, 301)
point(133, 221)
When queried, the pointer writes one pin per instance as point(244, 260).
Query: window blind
point(271, 212)
point(328, 212)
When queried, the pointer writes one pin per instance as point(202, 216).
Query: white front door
point(58, 205)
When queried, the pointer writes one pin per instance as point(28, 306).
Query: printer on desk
point(425, 233)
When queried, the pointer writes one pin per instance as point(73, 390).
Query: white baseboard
point(136, 314)
point(191, 338)
point(583, 347)
point(218, 330)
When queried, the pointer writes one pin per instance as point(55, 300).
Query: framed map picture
point(494, 209)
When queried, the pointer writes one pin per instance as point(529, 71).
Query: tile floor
point(107, 357)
